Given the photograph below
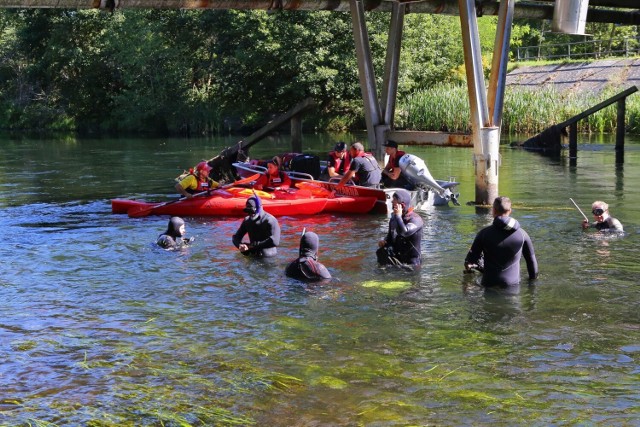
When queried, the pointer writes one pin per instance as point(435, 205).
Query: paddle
point(145, 210)
point(579, 210)
point(141, 211)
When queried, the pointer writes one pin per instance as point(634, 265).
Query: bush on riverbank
point(446, 108)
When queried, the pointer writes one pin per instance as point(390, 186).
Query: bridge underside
point(627, 12)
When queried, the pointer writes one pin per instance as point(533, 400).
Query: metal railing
point(591, 49)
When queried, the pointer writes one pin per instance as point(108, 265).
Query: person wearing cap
point(604, 221)
point(392, 174)
point(338, 161)
point(196, 181)
point(306, 267)
point(263, 230)
point(497, 249)
point(274, 178)
point(173, 237)
point(364, 168)
point(402, 245)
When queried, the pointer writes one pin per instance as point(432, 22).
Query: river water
point(100, 327)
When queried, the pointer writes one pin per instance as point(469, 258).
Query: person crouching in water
point(497, 249)
point(263, 230)
point(307, 268)
point(402, 244)
point(174, 238)
point(604, 220)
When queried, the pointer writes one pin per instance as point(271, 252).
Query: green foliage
point(441, 108)
point(210, 71)
point(446, 108)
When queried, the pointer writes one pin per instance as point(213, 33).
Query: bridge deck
point(533, 9)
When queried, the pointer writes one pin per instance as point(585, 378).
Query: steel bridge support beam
point(378, 114)
point(485, 136)
point(365, 71)
point(392, 64)
point(498, 76)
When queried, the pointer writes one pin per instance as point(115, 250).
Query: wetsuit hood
point(506, 223)
point(309, 243)
point(404, 197)
point(173, 229)
point(253, 206)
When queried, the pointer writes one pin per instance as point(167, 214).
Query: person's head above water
point(600, 210)
point(502, 206)
point(176, 227)
point(253, 205)
point(309, 243)
point(403, 197)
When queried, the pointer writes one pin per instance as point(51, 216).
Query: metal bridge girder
point(532, 9)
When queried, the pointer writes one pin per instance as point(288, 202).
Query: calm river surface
point(100, 327)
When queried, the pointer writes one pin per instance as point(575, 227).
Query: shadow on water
point(99, 326)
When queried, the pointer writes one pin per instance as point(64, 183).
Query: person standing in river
point(402, 245)
point(497, 249)
point(604, 221)
point(263, 230)
point(306, 267)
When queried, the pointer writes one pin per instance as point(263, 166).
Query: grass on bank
point(446, 108)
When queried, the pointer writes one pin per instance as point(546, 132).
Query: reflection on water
point(99, 326)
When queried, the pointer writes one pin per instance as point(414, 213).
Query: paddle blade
point(142, 210)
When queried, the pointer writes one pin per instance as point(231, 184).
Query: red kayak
point(220, 203)
point(231, 202)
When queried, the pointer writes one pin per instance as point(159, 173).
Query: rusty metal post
point(486, 159)
point(573, 143)
point(620, 130)
point(365, 72)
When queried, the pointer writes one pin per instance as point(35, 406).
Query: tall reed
point(446, 108)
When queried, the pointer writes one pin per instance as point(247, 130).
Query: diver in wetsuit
point(604, 220)
point(263, 230)
point(307, 268)
point(497, 249)
point(403, 241)
point(174, 236)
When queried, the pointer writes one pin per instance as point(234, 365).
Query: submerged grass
point(446, 108)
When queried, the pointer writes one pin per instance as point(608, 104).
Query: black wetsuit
point(264, 234)
point(307, 268)
point(609, 224)
point(403, 240)
point(499, 247)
